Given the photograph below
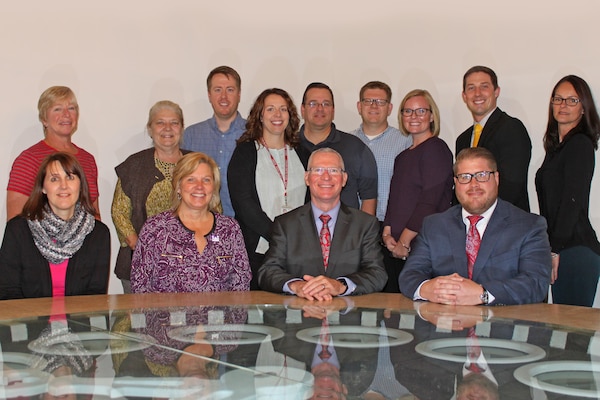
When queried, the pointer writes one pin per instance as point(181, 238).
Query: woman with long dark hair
point(563, 187)
point(266, 171)
point(55, 247)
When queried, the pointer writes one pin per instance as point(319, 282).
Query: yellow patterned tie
point(476, 134)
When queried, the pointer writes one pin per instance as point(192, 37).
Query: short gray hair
point(326, 150)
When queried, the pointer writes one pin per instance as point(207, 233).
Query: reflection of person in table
point(385, 386)
point(348, 370)
point(189, 356)
point(198, 369)
point(465, 319)
point(455, 318)
point(477, 386)
point(328, 383)
point(430, 377)
point(65, 360)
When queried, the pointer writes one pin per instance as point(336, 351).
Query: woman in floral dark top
point(193, 248)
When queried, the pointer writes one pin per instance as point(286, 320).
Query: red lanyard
point(284, 179)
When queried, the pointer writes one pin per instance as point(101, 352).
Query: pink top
point(59, 274)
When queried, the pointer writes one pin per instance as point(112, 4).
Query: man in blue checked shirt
point(386, 142)
point(217, 135)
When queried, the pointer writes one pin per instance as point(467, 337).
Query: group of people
point(306, 209)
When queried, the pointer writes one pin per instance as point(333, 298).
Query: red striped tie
point(473, 243)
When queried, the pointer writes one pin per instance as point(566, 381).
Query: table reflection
point(296, 350)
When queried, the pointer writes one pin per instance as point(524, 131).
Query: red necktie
point(473, 243)
point(325, 238)
point(473, 352)
point(324, 354)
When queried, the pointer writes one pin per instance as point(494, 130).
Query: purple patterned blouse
point(166, 258)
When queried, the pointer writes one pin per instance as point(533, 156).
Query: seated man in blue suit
point(324, 248)
point(505, 259)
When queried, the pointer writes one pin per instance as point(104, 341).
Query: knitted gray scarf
point(58, 239)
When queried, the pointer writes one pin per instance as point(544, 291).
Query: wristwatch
point(485, 297)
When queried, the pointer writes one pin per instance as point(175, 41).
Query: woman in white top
point(266, 171)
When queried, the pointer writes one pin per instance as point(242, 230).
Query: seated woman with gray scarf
point(55, 247)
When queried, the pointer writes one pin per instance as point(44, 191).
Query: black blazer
point(241, 179)
point(507, 138)
point(563, 185)
point(25, 273)
point(295, 250)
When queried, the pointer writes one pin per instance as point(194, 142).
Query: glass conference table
point(259, 345)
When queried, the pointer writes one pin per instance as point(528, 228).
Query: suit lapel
point(342, 226)
point(458, 241)
point(493, 233)
point(310, 235)
point(464, 140)
point(490, 127)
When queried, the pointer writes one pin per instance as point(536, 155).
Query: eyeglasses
point(481, 176)
point(333, 171)
point(315, 104)
point(162, 123)
point(570, 101)
point(370, 102)
point(419, 112)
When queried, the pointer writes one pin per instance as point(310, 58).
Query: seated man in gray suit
point(324, 248)
point(501, 257)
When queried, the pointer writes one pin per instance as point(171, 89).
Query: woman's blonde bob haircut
point(185, 167)
point(50, 97)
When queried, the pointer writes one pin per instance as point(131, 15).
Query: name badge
point(285, 209)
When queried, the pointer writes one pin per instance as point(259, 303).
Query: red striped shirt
point(26, 165)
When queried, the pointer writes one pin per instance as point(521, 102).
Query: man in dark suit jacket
point(506, 137)
point(513, 263)
point(294, 263)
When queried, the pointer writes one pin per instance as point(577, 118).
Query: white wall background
point(120, 57)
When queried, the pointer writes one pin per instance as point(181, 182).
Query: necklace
point(165, 167)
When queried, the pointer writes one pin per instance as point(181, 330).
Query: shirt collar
point(482, 224)
point(485, 119)
point(333, 213)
